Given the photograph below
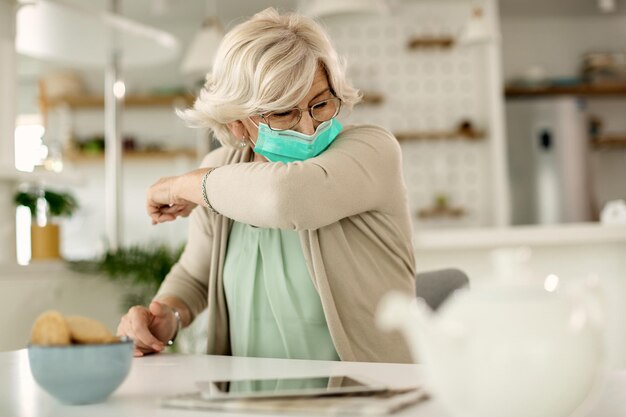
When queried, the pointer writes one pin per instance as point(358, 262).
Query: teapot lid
point(511, 265)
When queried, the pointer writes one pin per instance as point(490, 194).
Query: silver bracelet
point(178, 325)
point(204, 196)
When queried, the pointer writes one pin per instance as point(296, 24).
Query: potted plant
point(140, 268)
point(45, 207)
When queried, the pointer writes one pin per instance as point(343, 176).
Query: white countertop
point(160, 375)
point(166, 374)
point(535, 235)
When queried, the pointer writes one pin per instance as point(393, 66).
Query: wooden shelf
point(583, 90)
point(430, 42)
point(133, 155)
point(440, 212)
point(609, 142)
point(78, 102)
point(370, 98)
point(441, 135)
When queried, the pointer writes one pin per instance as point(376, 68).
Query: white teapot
point(505, 349)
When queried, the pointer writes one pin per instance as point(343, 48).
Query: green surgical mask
point(289, 145)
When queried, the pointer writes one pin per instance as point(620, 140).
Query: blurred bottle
point(44, 235)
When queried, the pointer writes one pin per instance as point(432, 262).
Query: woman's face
point(320, 90)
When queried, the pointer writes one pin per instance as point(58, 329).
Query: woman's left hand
point(164, 204)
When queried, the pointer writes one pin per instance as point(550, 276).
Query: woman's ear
point(238, 129)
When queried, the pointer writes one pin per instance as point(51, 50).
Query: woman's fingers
point(160, 193)
point(159, 310)
point(159, 217)
point(163, 320)
point(166, 213)
point(143, 337)
point(124, 329)
point(186, 211)
point(173, 209)
point(157, 197)
point(135, 324)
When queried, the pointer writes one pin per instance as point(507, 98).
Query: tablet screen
point(328, 385)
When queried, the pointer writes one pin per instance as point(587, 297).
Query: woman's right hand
point(163, 201)
point(150, 328)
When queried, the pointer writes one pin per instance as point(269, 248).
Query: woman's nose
point(306, 124)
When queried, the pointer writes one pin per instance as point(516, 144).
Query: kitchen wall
point(557, 43)
point(426, 92)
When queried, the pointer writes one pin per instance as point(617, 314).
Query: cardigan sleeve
point(356, 174)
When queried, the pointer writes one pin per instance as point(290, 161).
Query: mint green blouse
point(274, 309)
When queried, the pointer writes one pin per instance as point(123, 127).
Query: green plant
point(141, 268)
point(59, 204)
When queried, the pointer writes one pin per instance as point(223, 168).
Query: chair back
point(436, 286)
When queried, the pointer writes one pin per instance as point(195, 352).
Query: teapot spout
point(409, 315)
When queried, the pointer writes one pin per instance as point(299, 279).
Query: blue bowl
point(81, 374)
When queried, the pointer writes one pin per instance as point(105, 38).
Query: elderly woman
point(302, 225)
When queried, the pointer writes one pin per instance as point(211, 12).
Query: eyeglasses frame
point(308, 109)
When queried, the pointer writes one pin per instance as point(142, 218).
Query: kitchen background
point(505, 141)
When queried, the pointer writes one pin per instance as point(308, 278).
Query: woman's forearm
point(189, 186)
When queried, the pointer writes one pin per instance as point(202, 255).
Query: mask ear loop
point(255, 125)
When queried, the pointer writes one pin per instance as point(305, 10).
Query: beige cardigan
point(350, 208)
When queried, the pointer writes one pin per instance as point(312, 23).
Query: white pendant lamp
point(60, 31)
point(199, 57)
point(325, 8)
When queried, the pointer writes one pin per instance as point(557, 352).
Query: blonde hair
point(264, 64)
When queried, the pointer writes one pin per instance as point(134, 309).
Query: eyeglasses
point(285, 120)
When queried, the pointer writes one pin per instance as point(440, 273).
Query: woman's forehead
point(320, 78)
point(320, 83)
